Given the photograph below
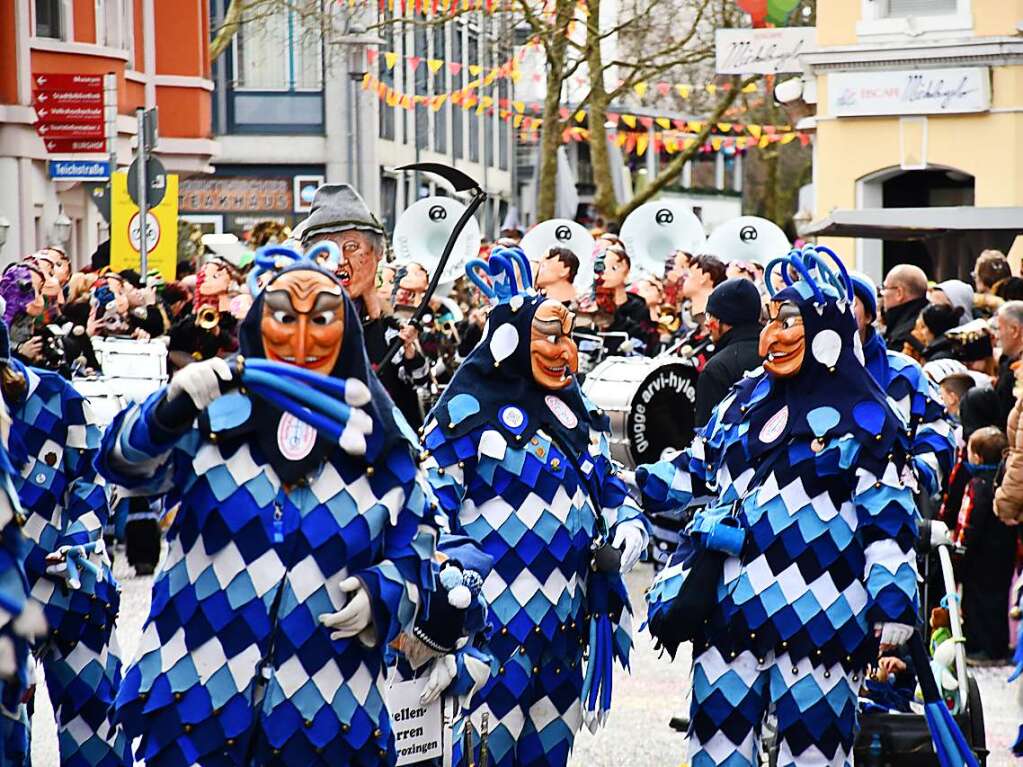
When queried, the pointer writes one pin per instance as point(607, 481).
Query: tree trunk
point(674, 168)
point(550, 142)
point(600, 159)
point(551, 129)
point(227, 30)
point(771, 160)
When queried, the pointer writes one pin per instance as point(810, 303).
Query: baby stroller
point(893, 739)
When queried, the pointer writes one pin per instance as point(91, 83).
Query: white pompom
point(460, 597)
point(356, 392)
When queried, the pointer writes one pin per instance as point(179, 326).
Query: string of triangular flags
point(672, 142)
point(675, 136)
point(466, 97)
point(646, 122)
point(431, 7)
point(391, 59)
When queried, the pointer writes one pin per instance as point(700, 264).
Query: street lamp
point(5, 225)
point(62, 228)
point(356, 41)
point(802, 219)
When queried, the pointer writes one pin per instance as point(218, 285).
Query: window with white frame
point(279, 50)
point(905, 8)
point(114, 27)
point(50, 19)
point(915, 17)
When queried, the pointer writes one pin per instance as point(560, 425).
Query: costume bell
point(518, 458)
point(293, 559)
point(809, 455)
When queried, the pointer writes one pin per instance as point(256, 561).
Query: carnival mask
point(52, 289)
point(119, 289)
point(303, 320)
point(616, 270)
point(216, 279)
point(61, 267)
point(783, 340)
point(413, 281)
point(552, 352)
point(385, 283)
point(550, 270)
point(357, 268)
point(676, 266)
point(36, 306)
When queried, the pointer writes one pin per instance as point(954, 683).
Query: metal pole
point(356, 98)
point(141, 157)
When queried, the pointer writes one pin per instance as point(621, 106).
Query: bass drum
point(651, 404)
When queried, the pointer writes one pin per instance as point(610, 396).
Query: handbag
point(685, 595)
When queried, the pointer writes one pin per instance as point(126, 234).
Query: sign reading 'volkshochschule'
point(909, 92)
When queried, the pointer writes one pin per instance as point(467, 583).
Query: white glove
point(893, 634)
point(200, 381)
point(441, 675)
point(628, 477)
point(939, 534)
point(355, 618)
point(631, 538)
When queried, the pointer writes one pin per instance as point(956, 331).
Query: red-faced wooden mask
point(303, 320)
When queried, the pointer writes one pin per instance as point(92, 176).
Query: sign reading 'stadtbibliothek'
point(909, 92)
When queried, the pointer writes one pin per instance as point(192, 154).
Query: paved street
point(637, 734)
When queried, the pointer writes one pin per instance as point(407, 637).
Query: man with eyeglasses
point(904, 295)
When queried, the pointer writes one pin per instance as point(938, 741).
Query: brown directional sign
point(70, 129)
point(75, 146)
point(69, 112)
point(46, 81)
point(63, 113)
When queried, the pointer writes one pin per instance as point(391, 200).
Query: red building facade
point(159, 52)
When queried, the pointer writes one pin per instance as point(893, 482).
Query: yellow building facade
point(919, 105)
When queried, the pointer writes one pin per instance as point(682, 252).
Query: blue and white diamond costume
point(914, 396)
point(525, 472)
point(53, 442)
point(235, 666)
point(814, 465)
point(20, 616)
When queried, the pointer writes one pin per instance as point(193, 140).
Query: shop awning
point(914, 223)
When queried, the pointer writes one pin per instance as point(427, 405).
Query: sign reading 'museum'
point(909, 92)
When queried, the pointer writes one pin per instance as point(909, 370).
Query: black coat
point(900, 321)
point(1004, 388)
point(737, 352)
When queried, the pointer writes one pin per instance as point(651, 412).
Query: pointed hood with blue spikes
point(832, 394)
point(238, 418)
point(495, 384)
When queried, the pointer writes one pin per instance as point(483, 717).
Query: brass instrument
point(669, 319)
point(208, 317)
